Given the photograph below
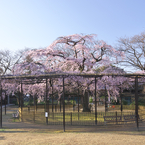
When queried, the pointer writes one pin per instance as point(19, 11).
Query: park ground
point(20, 133)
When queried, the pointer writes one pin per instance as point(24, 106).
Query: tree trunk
point(86, 102)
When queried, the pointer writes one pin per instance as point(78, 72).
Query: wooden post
point(55, 108)
point(116, 117)
point(34, 106)
point(46, 102)
point(63, 106)
point(121, 103)
point(73, 104)
point(29, 108)
point(1, 108)
point(95, 104)
point(78, 102)
point(36, 103)
point(5, 103)
point(71, 118)
point(47, 120)
point(19, 96)
point(136, 101)
point(46, 99)
point(34, 116)
point(52, 95)
point(60, 104)
point(106, 109)
point(21, 101)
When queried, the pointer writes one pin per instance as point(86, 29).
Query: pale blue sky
point(37, 23)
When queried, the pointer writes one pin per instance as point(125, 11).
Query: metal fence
point(73, 118)
point(61, 114)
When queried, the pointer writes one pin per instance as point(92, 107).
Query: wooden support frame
point(41, 78)
point(21, 101)
point(5, 103)
point(1, 107)
point(106, 107)
point(95, 103)
point(136, 101)
point(63, 106)
point(78, 101)
point(52, 95)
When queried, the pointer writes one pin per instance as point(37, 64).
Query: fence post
point(1, 108)
point(21, 101)
point(47, 120)
point(106, 106)
point(5, 103)
point(95, 104)
point(36, 104)
point(116, 117)
point(52, 115)
point(60, 105)
point(55, 109)
point(136, 101)
point(29, 109)
point(78, 115)
point(46, 116)
point(78, 102)
point(63, 106)
point(34, 116)
point(71, 118)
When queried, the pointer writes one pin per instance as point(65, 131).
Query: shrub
point(133, 103)
point(66, 102)
point(15, 102)
point(26, 103)
point(42, 102)
point(71, 101)
point(113, 102)
point(141, 101)
point(91, 100)
point(102, 97)
point(124, 102)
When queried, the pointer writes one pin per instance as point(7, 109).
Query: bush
point(113, 102)
point(42, 102)
point(91, 100)
point(71, 101)
point(124, 102)
point(15, 102)
point(133, 103)
point(102, 97)
point(141, 101)
point(66, 102)
point(26, 103)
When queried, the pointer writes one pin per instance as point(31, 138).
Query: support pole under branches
point(21, 100)
point(136, 101)
point(95, 104)
point(63, 106)
point(1, 108)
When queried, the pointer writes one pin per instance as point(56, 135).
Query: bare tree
point(8, 60)
point(134, 50)
point(5, 62)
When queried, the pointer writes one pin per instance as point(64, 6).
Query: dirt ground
point(19, 133)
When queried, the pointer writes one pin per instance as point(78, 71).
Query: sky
point(37, 23)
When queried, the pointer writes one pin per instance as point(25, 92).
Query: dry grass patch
point(39, 137)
